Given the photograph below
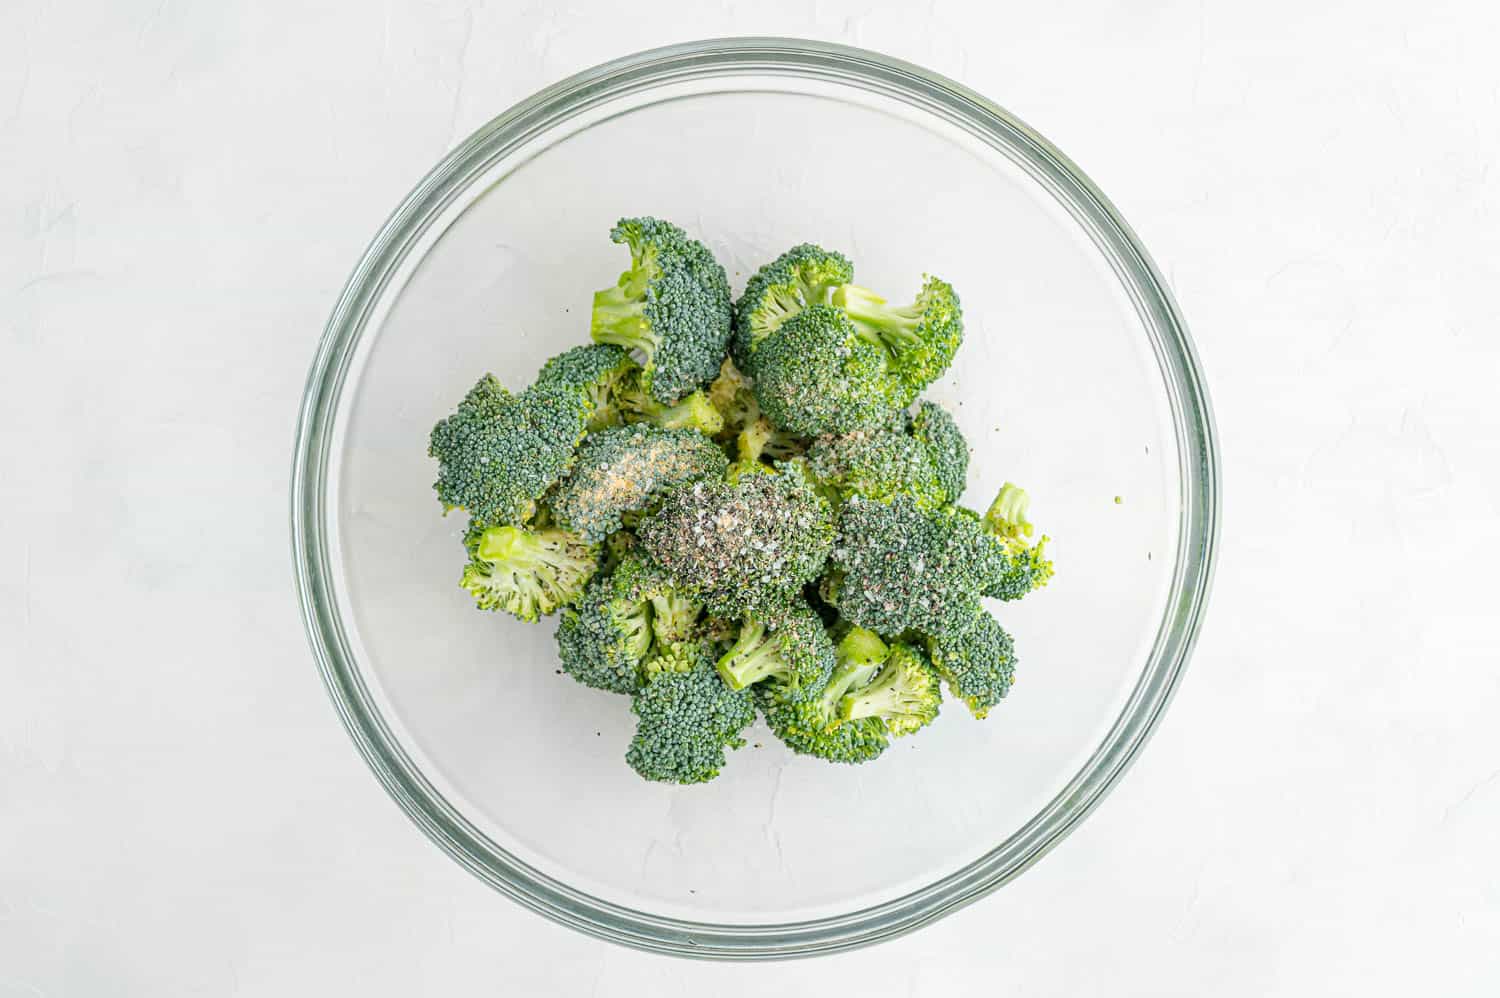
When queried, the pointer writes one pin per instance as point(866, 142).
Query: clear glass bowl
point(1077, 380)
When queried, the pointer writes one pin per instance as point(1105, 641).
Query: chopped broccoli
point(818, 374)
point(978, 661)
point(498, 453)
point(626, 468)
point(878, 464)
point(685, 719)
point(896, 568)
point(946, 448)
point(905, 695)
point(921, 337)
point(812, 726)
point(527, 573)
point(746, 547)
point(1024, 565)
point(597, 370)
point(603, 641)
point(789, 646)
point(802, 276)
point(672, 305)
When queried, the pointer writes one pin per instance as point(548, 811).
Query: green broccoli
point(978, 661)
point(921, 337)
point(692, 412)
point(685, 719)
point(818, 374)
point(627, 468)
point(1023, 566)
point(732, 394)
point(895, 567)
point(802, 276)
point(946, 448)
point(672, 305)
point(878, 464)
point(596, 369)
point(524, 572)
point(905, 695)
point(603, 641)
point(746, 547)
point(812, 726)
point(499, 453)
point(789, 646)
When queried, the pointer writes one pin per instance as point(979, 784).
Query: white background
point(183, 189)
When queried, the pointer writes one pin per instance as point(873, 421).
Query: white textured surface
point(182, 190)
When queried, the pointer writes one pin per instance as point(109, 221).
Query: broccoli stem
point(673, 618)
point(754, 657)
point(887, 696)
point(1007, 514)
point(620, 319)
point(862, 647)
point(891, 326)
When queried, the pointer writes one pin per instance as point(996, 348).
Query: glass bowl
point(1077, 381)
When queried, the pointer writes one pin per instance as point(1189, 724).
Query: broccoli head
point(921, 337)
point(686, 718)
point(627, 468)
point(878, 464)
point(789, 646)
point(603, 641)
point(1022, 565)
point(672, 305)
point(746, 547)
point(946, 448)
point(498, 453)
point(527, 573)
point(978, 661)
point(905, 695)
point(812, 725)
point(818, 374)
point(597, 370)
point(896, 568)
point(804, 275)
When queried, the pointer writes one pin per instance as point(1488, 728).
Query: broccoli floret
point(672, 305)
point(790, 647)
point(1024, 565)
point(732, 395)
point(498, 453)
point(626, 468)
point(878, 464)
point(817, 374)
point(693, 411)
point(746, 547)
point(978, 662)
point(896, 568)
point(603, 641)
point(527, 573)
point(921, 337)
point(685, 719)
point(597, 370)
point(802, 276)
point(946, 448)
point(905, 695)
point(812, 726)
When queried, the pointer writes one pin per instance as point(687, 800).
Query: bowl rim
point(1198, 524)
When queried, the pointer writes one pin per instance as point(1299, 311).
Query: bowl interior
point(1058, 388)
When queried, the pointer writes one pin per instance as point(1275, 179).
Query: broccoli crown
point(746, 547)
point(527, 572)
point(921, 337)
point(625, 468)
point(802, 276)
point(1019, 564)
point(672, 305)
point(905, 695)
point(790, 647)
point(596, 369)
point(692, 412)
point(946, 448)
point(603, 641)
point(878, 464)
point(977, 661)
point(897, 568)
point(498, 453)
point(811, 727)
point(685, 719)
point(816, 374)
